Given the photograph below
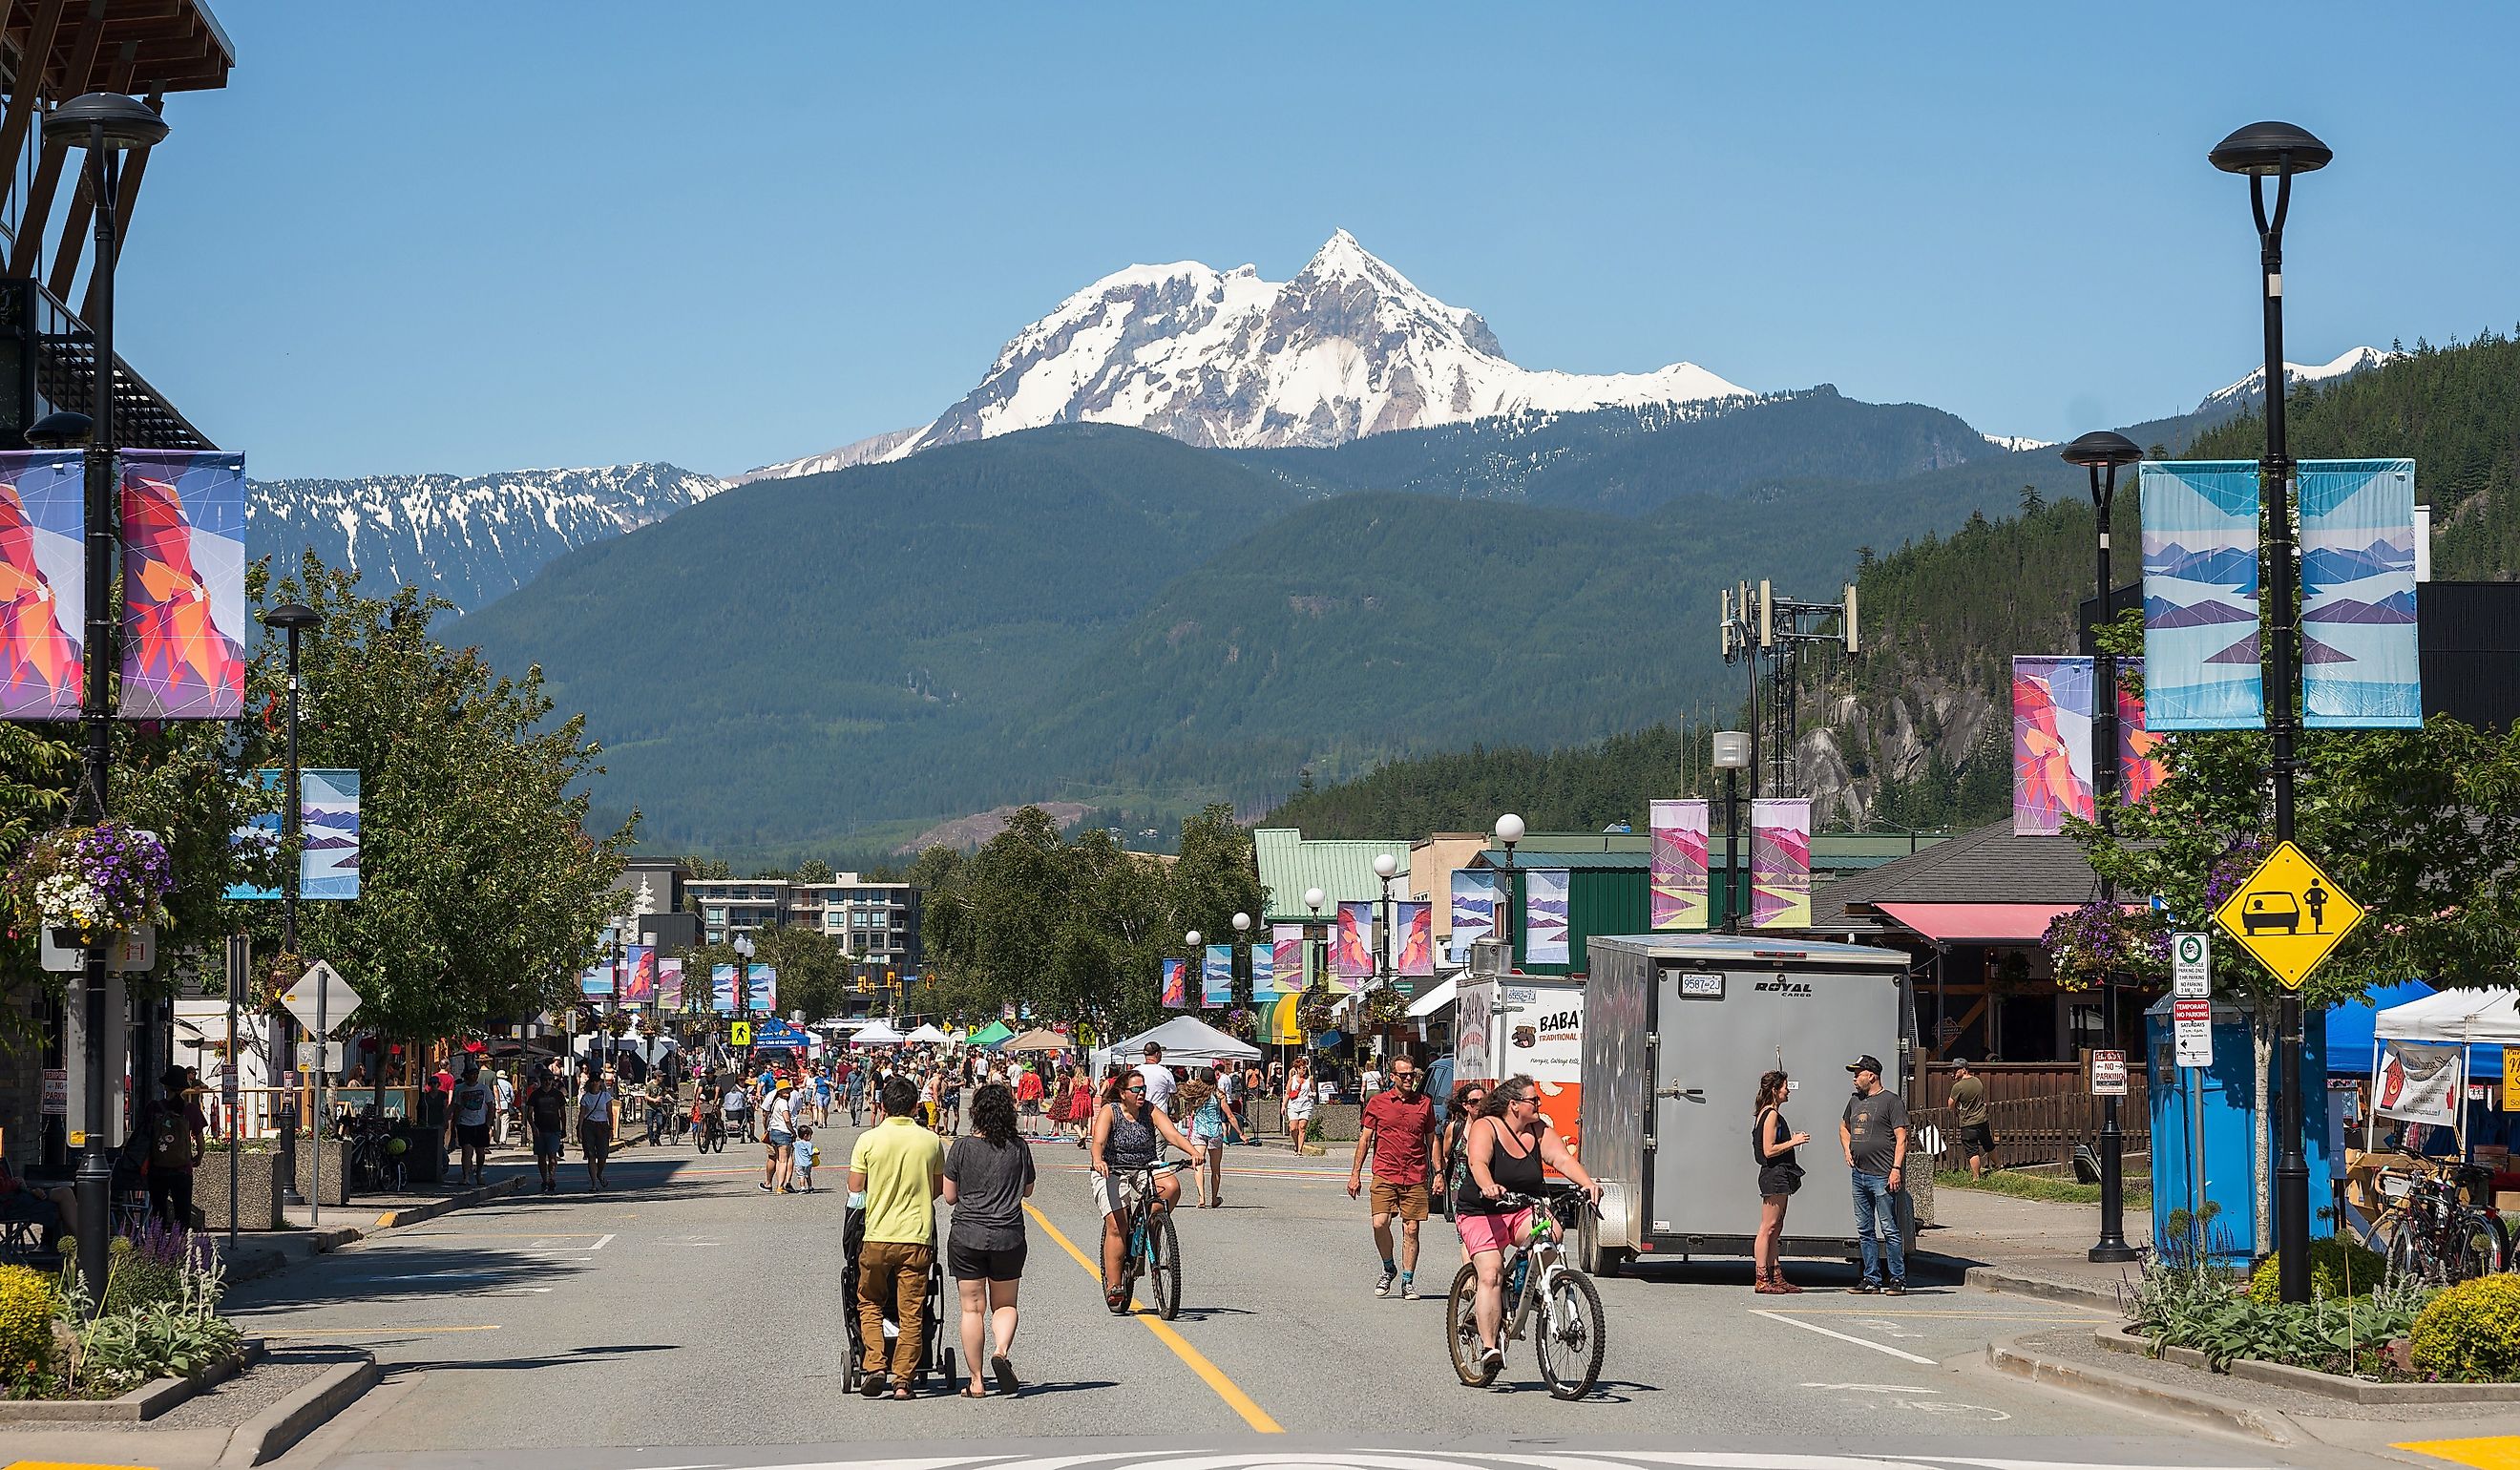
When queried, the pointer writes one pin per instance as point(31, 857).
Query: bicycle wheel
point(1163, 1266)
point(1461, 1329)
point(1571, 1338)
point(2409, 1261)
point(2484, 1246)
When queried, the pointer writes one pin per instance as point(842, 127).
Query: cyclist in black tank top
point(1506, 1147)
point(1129, 1133)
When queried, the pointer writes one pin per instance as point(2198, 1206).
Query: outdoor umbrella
point(1036, 1041)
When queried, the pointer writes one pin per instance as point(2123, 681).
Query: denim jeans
point(1876, 1208)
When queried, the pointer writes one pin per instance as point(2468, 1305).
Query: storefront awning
point(1977, 924)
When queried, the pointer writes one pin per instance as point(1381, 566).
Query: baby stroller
point(933, 1355)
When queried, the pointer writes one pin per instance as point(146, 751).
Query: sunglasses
point(1404, 1077)
point(1139, 1087)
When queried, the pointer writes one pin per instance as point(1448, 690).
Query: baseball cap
point(1866, 1063)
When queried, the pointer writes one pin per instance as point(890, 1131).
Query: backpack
point(171, 1138)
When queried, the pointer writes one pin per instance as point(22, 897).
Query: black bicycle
point(1153, 1251)
point(378, 1159)
point(709, 1133)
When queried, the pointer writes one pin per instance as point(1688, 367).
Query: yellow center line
point(1209, 1373)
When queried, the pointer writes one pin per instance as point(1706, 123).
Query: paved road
point(684, 1310)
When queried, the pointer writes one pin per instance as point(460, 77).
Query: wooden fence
point(2044, 1129)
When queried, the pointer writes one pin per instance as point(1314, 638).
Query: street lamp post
point(1732, 753)
point(2278, 151)
point(1385, 865)
point(1509, 831)
point(1240, 960)
point(2101, 453)
point(106, 124)
point(292, 619)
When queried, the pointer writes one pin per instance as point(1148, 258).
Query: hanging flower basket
point(84, 883)
point(2099, 939)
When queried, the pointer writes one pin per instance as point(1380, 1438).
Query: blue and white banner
point(1216, 976)
point(1543, 916)
point(2358, 665)
point(2200, 596)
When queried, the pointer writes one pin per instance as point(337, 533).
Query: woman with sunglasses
point(1129, 1133)
point(1505, 1148)
point(1452, 1160)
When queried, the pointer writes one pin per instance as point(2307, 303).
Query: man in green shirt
point(895, 1172)
point(1968, 1112)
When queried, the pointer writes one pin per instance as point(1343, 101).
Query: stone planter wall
point(336, 1170)
point(258, 1183)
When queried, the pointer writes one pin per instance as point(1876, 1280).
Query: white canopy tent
point(2461, 1018)
point(1186, 1042)
point(1439, 999)
point(927, 1033)
point(876, 1034)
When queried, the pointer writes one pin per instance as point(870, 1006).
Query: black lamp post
point(105, 124)
point(2101, 453)
point(1238, 962)
point(292, 619)
point(2278, 151)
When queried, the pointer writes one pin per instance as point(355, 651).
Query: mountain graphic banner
point(1679, 862)
point(1780, 862)
point(669, 984)
point(1216, 976)
point(1352, 947)
point(2053, 773)
point(1290, 964)
point(1543, 916)
point(2200, 596)
point(1264, 971)
point(760, 983)
point(2359, 669)
point(328, 825)
point(43, 584)
point(1412, 930)
point(183, 585)
point(1474, 909)
point(1176, 985)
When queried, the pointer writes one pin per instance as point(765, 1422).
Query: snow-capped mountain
point(864, 452)
point(2252, 388)
point(1349, 348)
point(467, 539)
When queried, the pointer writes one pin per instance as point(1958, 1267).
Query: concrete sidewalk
point(2027, 1246)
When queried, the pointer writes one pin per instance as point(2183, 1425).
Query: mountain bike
point(1541, 1289)
point(1153, 1252)
point(709, 1133)
point(2431, 1233)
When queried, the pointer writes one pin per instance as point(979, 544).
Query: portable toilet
point(2223, 1099)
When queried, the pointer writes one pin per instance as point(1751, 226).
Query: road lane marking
point(1214, 1377)
point(2493, 1453)
point(366, 1332)
point(601, 1241)
point(1845, 1337)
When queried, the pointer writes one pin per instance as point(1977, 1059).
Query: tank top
point(1132, 1143)
point(1757, 1134)
point(1515, 1173)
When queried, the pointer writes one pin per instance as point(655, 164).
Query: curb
point(137, 1407)
point(391, 1218)
point(294, 1418)
point(263, 1263)
point(2019, 1283)
point(2209, 1410)
point(2310, 1381)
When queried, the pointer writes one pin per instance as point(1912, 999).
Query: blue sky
point(469, 237)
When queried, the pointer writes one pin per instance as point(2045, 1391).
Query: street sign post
point(2289, 916)
point(2192, 1006)
point(2191, 1024)
point(2108, 1074)
point(321, 999)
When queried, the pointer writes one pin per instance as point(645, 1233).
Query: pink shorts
point(1491, 1232)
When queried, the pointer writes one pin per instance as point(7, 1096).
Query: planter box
point(336, 1170)
point(257, 1185)
point(137, 1407)
point(2309, 1381)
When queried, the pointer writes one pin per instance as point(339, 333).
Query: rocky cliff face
point(1928, 729)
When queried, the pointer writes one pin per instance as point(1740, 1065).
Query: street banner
point(1412, 929)
point(1264, 971)
point(1679, 879)
point(760, 980)
point(669, 984)
point(2053, 720)
point(1216, 976)
point(2420, 1082)
point(1474, 907)
point(1290, 962)
point(1543, 916)
point(2358, 665)
point(43, 584)
point(595, 982)
point(1176, 993)
point(327, 820)
point(1780, 862)
point(638, 974)
point(183, 643)
point(2141, 765)
point(2200, 596)
point(1352, 948)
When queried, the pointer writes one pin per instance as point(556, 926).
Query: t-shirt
point(783, 1113)
point(1968, 1102)
point(1372, 1080)
point(507, 1092)
point(1872, 1129)
point(1401, 1126)
point(1028, 1087)
point(736, 1100)
point(472, 1105)
point(1159, 1084)
point(596, 1106)
point(989, 1184)
point(547, 1105)
point(902, 1163)
point(806, 1151)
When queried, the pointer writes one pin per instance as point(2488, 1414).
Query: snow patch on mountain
point(2253, 388)
point(865, 451)
point(2018, 442)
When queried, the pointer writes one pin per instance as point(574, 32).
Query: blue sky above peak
point(467, 237)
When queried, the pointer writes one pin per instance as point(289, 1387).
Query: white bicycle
point(1542, 1288)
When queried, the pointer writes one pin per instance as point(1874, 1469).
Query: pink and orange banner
point(183, 643)
point(1413, 926)
point(1352, 947)
point(43, 584)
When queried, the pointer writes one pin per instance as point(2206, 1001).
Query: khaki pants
point(894, 1269)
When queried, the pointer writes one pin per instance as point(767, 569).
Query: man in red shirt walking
point(1029, 1100)
point(1399, 1134)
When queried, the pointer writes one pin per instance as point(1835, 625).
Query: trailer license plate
point(1702, 987)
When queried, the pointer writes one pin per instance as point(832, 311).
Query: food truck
point(1681, 1026)
point(1516, 1025)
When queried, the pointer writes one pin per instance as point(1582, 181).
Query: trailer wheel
point(1597, 1259)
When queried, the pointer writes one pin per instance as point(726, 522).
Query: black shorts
point(1977, 1138)
point(1779, 1178)
point(971, 1263)
point(472, 1134)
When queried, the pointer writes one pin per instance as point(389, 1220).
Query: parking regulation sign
point(2192, 967)
point(2191, 1029)
point(2108, 1074)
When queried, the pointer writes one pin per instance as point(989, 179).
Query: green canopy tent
point(994, 1033)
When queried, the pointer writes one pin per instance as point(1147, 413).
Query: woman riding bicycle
point(1504, 1148)
point(1129, 1133)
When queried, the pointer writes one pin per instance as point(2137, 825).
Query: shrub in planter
point(2334, 1266)
point(28, 1301)
point(2471, 1332)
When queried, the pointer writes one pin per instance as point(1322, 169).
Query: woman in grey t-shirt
point(988, 1175)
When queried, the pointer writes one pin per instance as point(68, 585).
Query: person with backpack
point(547, 1121)
point(467, 1121)
point(172, 1127)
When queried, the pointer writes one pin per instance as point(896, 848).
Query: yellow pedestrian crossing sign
point(2288, 915)
point(738, 1034)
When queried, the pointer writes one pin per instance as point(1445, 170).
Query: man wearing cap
point(1872, 1134)
point(1968, 1112)
point(1159, 1079)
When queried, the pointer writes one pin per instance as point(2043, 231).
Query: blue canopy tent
point(2350, 1040)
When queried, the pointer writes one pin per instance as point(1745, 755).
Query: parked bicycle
point(378, 1157)
point(1155, 1251)
point(2430, 1232)
point(1542, 1289)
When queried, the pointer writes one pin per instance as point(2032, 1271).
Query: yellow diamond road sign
point(738, 1034)
point(2288, 915)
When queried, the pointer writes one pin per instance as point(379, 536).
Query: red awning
point(1977, 924)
